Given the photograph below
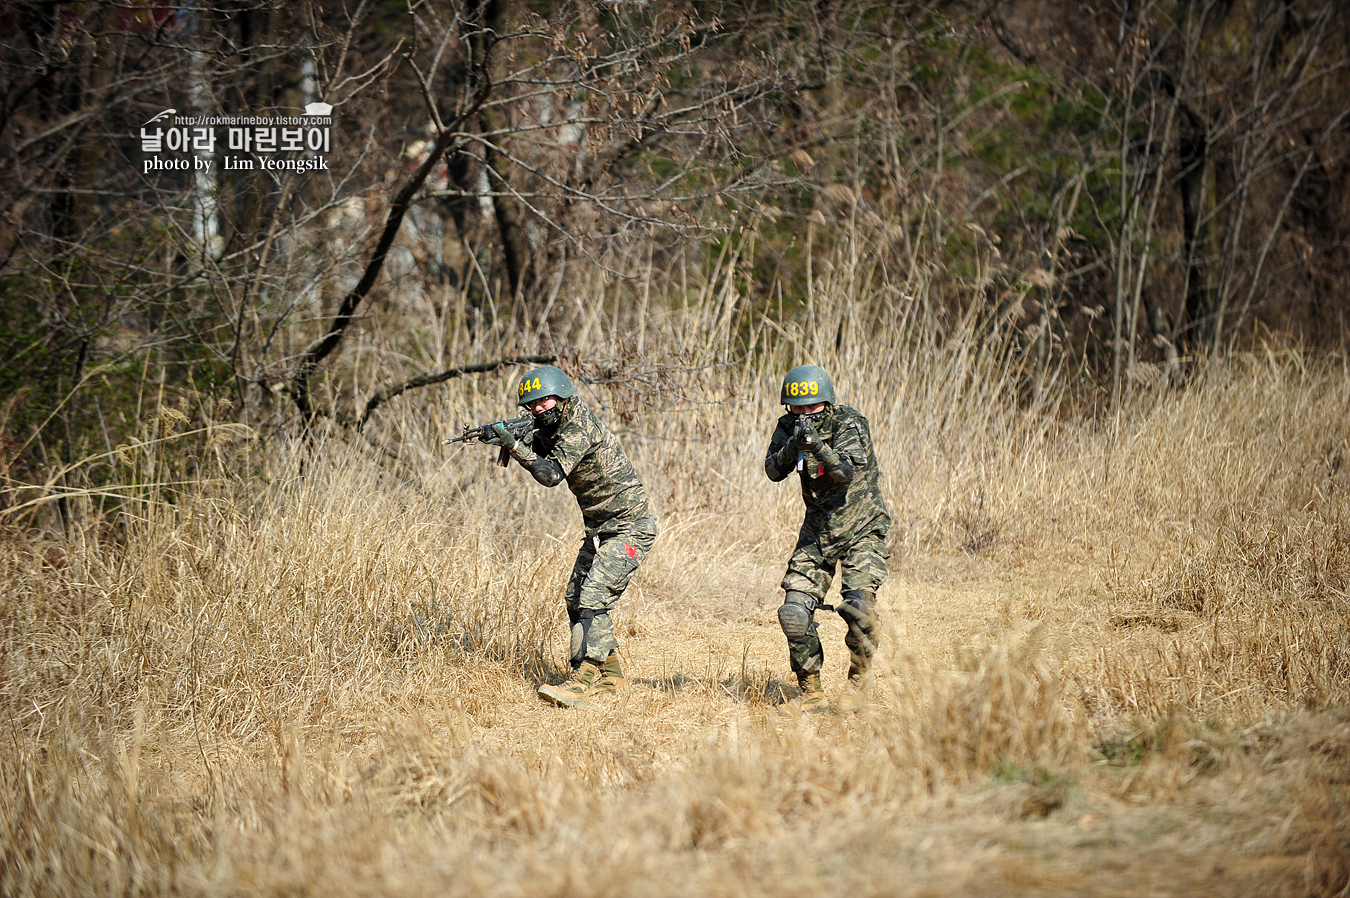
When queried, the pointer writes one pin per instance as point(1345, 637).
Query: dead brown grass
point(1115, 659)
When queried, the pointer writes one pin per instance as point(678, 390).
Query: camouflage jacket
point(835, 507)
point(583, 451)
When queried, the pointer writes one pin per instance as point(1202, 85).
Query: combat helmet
point(807, 385)
point(544, 381)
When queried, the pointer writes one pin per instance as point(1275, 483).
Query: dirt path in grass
point(1163, 826)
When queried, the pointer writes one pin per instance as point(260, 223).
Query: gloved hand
point(498, 435)
point(805, 436)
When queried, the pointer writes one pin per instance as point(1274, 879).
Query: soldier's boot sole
point(797, 711)
point(565, 698)
point(803, 706)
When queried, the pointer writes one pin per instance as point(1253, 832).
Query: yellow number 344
point(529, 385)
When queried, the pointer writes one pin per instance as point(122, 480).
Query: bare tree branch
point(320, 349)
point(380, 397)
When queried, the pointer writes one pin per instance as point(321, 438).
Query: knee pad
point(581, 632)
point(794, 615)
point(856, 608)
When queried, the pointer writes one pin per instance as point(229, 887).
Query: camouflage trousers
point(809, 574)
point(605, 564)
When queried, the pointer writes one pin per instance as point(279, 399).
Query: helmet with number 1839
point(807, 385)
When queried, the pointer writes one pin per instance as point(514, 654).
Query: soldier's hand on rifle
point(498, 435)
point(806, 437)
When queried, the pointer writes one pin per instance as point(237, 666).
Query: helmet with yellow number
point(807, 385)
point(544, 381)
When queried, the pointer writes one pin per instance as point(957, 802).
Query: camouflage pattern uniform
point(620, 527)
point(846, 524)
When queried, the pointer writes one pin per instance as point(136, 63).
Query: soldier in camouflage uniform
point(569, 443)
point(830, 447)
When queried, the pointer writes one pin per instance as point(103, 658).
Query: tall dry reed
point(311, 667)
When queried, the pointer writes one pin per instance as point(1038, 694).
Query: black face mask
point(547, 420)
point(820, 420)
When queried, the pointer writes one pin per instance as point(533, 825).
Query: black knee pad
point(856, 608)
point(794, 615)
point(582, 618)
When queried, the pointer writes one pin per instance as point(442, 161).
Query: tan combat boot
point(574, 692)
point(853, 697)
point(611, 677)
point(813, 697)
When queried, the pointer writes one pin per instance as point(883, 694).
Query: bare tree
point(1113, 189)
point(582, 132)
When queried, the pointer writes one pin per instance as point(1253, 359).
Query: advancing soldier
point(846, 522)
point(570, 443)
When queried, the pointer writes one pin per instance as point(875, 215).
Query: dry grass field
point(1116, 654)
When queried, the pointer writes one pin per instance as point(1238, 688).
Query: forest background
point(1083, 266)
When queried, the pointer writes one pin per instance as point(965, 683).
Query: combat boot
point(813, 697)
point(853, 697)
point(574, 692)
point(611, 677)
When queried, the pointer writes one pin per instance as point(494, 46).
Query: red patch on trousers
point(631, 550)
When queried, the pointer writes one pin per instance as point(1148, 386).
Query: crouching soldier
point(569, 443)
point(830, 448)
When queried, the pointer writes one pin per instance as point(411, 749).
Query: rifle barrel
point(518, 426)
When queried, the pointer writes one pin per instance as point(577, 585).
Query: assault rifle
point(517, 427)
